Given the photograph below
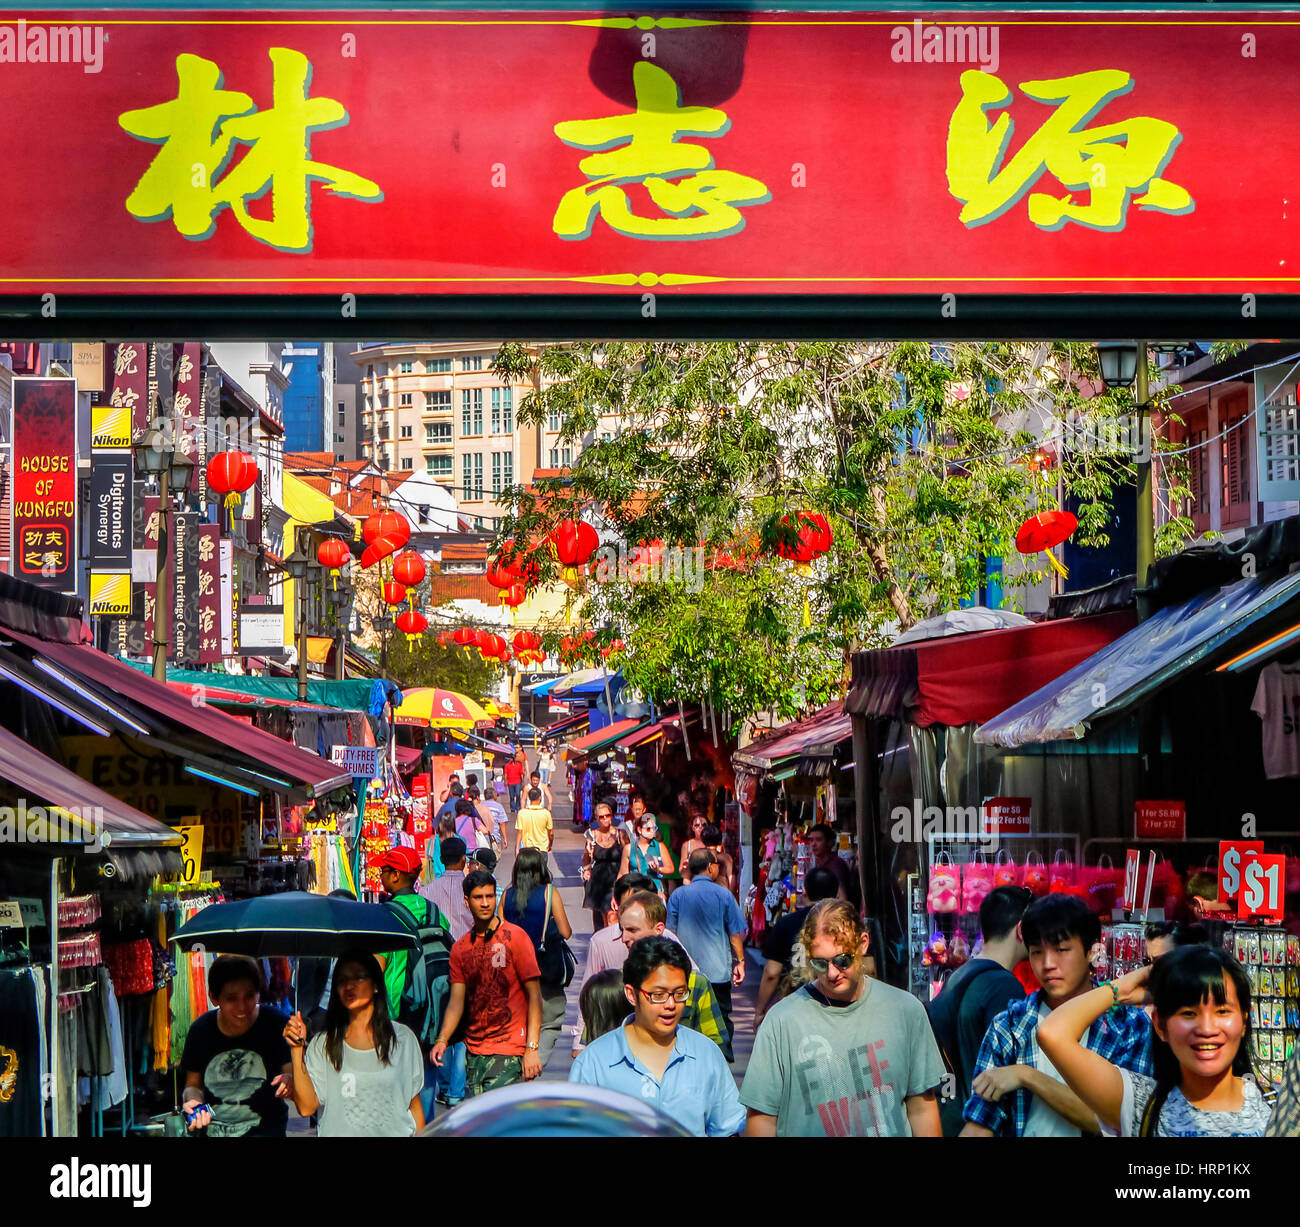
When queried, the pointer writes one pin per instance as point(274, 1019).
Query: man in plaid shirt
point(1016, 1091)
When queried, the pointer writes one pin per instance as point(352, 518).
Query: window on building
point(508, 465)
point(478, 474)
point(424, 513)
point(339, 457)
point(496, 472)
point(496, 411)
point(605, 436)
point(343, 414)
point(466, 418)
point(406, 367)
point(437, 432)
point(508, 410)
point(406, 432)
point(438, 466)
point(428, 432)
point(438, 401)
point(437, 366)
point(553, 422)
point(566, 457)
point(555, 457)
point(467, 476)
point(477, 394)
point(472, 364)
point(408, 398)
point(1234, 463)
point(407, 462)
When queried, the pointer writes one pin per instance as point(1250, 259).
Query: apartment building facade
point(441, 409)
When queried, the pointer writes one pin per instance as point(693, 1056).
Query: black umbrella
point(295, 923)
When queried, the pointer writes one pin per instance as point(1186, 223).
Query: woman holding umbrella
point(362, 1076)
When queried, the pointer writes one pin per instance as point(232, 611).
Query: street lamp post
point(383, 624)
point(156, 455)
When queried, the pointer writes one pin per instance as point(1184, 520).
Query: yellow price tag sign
point(192, 852)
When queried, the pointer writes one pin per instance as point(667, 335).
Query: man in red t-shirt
point(514, 774)
point(496, 986)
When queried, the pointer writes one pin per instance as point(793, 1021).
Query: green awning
point(345, 696)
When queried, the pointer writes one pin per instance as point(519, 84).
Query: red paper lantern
point(500, 576)
point(567, 646)
point(393, 593)
point(231, 473)
point(409, 568)
point(574, 542)
point(412, 623)
point(514, 596)
point(387, 523)
point(378, 549)
point(802, 551)
point(616, 646)
point(482, 639)
point(523, 641)
point(504, 656)
point(1041, 532)
point(332, 553)
point(464, 636)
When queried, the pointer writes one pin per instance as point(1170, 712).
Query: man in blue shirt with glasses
point(651, 1057)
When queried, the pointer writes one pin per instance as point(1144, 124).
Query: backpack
point(951, 1109)
point(428, 972)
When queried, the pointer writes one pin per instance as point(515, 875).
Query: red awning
point(248, 749)
point(560, 727)
point(602, 736)
point(965, 679)
point(104, 815)
point(829, 726)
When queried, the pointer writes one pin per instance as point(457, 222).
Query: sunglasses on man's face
point(842, 963)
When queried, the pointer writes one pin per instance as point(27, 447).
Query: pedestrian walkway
point(566, 862)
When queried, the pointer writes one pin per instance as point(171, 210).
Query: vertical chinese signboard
point(183, 547)
point(44, 525)
point(187, 406)
point(127, 412)
point(209, 594)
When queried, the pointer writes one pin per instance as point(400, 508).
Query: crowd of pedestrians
point(480, 1005)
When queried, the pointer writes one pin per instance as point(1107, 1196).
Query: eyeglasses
point(661, 996)
point(842, 963)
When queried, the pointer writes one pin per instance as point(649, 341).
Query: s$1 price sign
point(1231, 855)
point(1261, 888)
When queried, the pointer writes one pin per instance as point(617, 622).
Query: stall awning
point(354, 695)
point(569, 725)
point(652, 732)
point(1214, 624)
point(602, 738)
point(964, 679)
point(97, 813)
point(319, 649)
point(829, 727)
point(211, 737)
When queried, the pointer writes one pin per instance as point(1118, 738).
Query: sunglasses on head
point(842, 963)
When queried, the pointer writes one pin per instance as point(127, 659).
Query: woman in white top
point(362, 1076)
point(1201, 1049)
point(545, 765)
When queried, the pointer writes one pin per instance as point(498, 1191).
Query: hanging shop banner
point(752, 153)
point(130, 366)
point(183, 616)
point(362, 761)
point(225, 597)
point(43, 428)
point(111, 595)
point(88, 365)
point(1233, 855)
point(1159, 820)
point(261, 631)
point(209, 594)
point(111, 492)
point(187, 404)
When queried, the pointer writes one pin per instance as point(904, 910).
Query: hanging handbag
point(1104, 883)
point(944, 893)
point(1034, 876)
point(976, 883)
point(554, 958)
point(1060, 874)
point(1005, 872)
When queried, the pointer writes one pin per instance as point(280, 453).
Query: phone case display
point(1271, 959)
point(1125, 950)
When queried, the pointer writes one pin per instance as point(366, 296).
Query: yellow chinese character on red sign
point(700, 204)
point(190, 178)
point(1114, 163)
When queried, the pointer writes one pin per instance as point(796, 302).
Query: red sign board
point(420, 785)
point(44, 434)
point(583, 152)
point(1007, 815)
point(1263, 888)
point(1160, 820)
point(1232, 857)
point(1132, 871)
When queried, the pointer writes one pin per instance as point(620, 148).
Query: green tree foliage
point(925, 459)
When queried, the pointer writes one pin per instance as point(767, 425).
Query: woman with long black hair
point(363, 1074)
point(533, 903)
point(1201, 1051)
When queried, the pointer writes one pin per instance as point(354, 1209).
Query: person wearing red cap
point(399, 871)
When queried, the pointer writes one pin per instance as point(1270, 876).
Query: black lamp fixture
point(1118, 361)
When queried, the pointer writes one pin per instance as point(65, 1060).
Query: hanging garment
point(20, 1057)
point(94, 1052)
point(1277, 704)
point(41, 992)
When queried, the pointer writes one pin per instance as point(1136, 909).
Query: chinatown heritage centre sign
point(441, 153)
